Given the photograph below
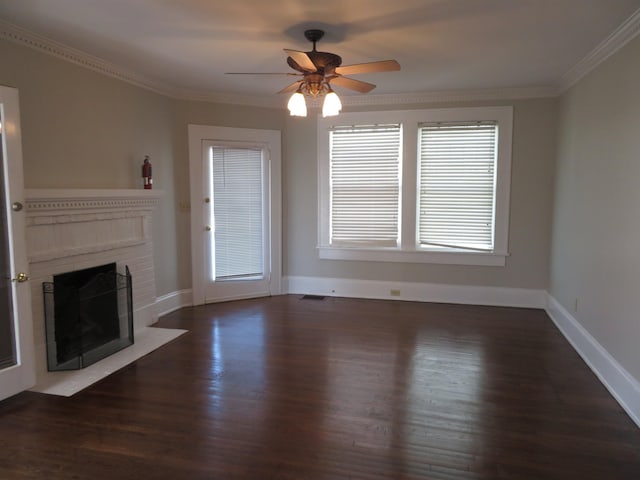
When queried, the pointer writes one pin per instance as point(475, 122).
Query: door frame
point(267, 139)
point(20, 376)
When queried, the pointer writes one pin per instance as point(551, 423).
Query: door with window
point(237, 244)
point(236, 219)
point(16, 335)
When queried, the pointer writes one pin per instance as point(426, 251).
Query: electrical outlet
point(394, 293)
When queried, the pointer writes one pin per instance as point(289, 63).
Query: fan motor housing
point(325, 62)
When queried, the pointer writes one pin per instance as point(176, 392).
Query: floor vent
point(313, 297)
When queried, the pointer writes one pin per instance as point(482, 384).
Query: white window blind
point(237, 213)
point(457, 184)
point(365, 185)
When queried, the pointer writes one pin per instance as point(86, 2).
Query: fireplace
point(88, 316)
point(70, 230)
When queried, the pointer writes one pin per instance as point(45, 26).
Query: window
point(457, 185)
point(237, 212)
point(426, 186)
point(365, 200)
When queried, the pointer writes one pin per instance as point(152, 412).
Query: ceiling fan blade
point(350, 83)
point(291, 88)
point(371, 67)
point(302, 59)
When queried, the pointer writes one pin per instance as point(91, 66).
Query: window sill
point(492, 259)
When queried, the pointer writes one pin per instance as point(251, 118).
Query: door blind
point(457, 184)
point(365, 185)
point(237, 213)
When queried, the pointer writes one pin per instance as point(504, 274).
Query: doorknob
point(208, 228)
point(22, 277)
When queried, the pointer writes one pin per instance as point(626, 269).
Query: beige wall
point(85, 130)
point(596, 226)
point(531, 200)
point(81, 129)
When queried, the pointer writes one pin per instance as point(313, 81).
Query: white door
point(16, 333)
point(236, 213)
point(237, 216)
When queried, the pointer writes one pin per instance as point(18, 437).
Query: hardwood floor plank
point(284, 388)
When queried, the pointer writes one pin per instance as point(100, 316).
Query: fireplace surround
point(70, 229)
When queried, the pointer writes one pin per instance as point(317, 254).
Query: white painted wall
point(595, 258)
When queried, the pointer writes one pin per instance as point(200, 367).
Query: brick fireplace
point(70, 230)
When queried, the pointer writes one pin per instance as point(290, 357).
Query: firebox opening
point(88, 316)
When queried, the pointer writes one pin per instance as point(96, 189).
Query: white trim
point(173, 301)
point(63, 199)
point(416, 292)
point(21, 375)
point(355, 100)
point(471, 95)
point(626, 32)
point(620, 383)
point(266, 101)
point(492, 259)
point(144, 317)
point(21, 36)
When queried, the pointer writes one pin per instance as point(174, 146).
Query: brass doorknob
point(22, 277)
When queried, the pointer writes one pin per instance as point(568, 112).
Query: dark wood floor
point(285, 388)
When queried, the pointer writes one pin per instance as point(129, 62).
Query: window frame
point(409, 250)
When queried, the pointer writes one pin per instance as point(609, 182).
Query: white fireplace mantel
point(73, 229)
point(69, 200)
point(70, 222)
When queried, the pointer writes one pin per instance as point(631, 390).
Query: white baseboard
point(417, 292)
point(173, 301)
point(143, 317)
point(620, 383)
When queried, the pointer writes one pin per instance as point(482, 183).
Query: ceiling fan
point(321, 70)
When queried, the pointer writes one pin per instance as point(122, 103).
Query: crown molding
point(443, 96)
point(279, 101)
point(13, 33)
point(620, 37)
point(614, 42)
point(270, 101)
point(19, 35)
point(450, 96)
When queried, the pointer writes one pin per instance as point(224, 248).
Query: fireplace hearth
point(88, 316)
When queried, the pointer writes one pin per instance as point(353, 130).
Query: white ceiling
point(442, 45)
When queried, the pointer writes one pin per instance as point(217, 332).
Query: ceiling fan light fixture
point(331, 105)
point(297, 105)
point(317, 69)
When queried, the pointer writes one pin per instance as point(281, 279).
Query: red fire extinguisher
point(146, 173)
